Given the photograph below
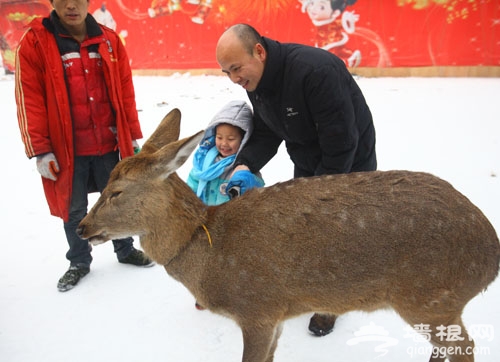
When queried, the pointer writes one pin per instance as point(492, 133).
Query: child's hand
point(241, 182)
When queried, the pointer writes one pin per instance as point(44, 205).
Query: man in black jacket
point(306, 97)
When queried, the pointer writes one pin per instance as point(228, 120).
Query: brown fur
point(331, 244)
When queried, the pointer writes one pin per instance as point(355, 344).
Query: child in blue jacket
point(213, 161)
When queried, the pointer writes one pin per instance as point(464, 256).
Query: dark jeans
point(89, 170)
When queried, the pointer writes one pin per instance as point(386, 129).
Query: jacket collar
point(273, 71)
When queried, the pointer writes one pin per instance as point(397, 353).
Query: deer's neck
point(190, 264)
point(180, 219)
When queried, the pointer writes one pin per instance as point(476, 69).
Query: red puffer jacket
point(43, 106)
point(94, 125)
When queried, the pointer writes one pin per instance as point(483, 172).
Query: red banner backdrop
point(182, 34)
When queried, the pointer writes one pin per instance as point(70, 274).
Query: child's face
point(227, 139)
point(319, 10)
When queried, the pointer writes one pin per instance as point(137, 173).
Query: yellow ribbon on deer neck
point(208, 234)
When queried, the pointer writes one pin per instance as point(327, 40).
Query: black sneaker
point(71, 278)
point(138, 258)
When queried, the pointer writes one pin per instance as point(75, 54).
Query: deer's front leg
point(260, 341)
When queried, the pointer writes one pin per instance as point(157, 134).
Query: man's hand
point(47, 166)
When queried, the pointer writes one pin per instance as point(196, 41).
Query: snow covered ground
point(449, 127)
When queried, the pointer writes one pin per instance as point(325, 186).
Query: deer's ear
point(173, 155)
point(167, 131)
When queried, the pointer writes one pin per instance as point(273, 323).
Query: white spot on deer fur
point(243, 274)
point(361, 223)
point(231, 261)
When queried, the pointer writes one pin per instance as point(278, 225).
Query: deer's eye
point(115, 194)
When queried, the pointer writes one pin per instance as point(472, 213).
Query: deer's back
point(372, 234)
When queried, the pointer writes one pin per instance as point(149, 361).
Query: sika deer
point(330, 244)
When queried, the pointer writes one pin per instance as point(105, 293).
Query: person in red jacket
point(77, 115)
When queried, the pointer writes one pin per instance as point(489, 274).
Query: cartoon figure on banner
point(334, 25)
point(14, 16)
point(103, 16)
point(168, 7)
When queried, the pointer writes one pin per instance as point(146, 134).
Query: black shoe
point(137, 257)
point(71, 278)
point(322, 324)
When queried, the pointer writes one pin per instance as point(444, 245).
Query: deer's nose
point(80, 230)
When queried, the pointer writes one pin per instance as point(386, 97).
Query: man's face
point(71, 12)
point(241, 67)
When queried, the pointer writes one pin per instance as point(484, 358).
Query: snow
point(446, 126)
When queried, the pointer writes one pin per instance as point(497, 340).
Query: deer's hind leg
point(260, 342)
point(452, 341)
point(448, 336)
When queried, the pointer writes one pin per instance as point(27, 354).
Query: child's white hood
point(237, 113)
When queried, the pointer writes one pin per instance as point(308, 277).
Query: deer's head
point(142, 186)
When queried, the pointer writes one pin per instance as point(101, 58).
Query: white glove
point(47, 166)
